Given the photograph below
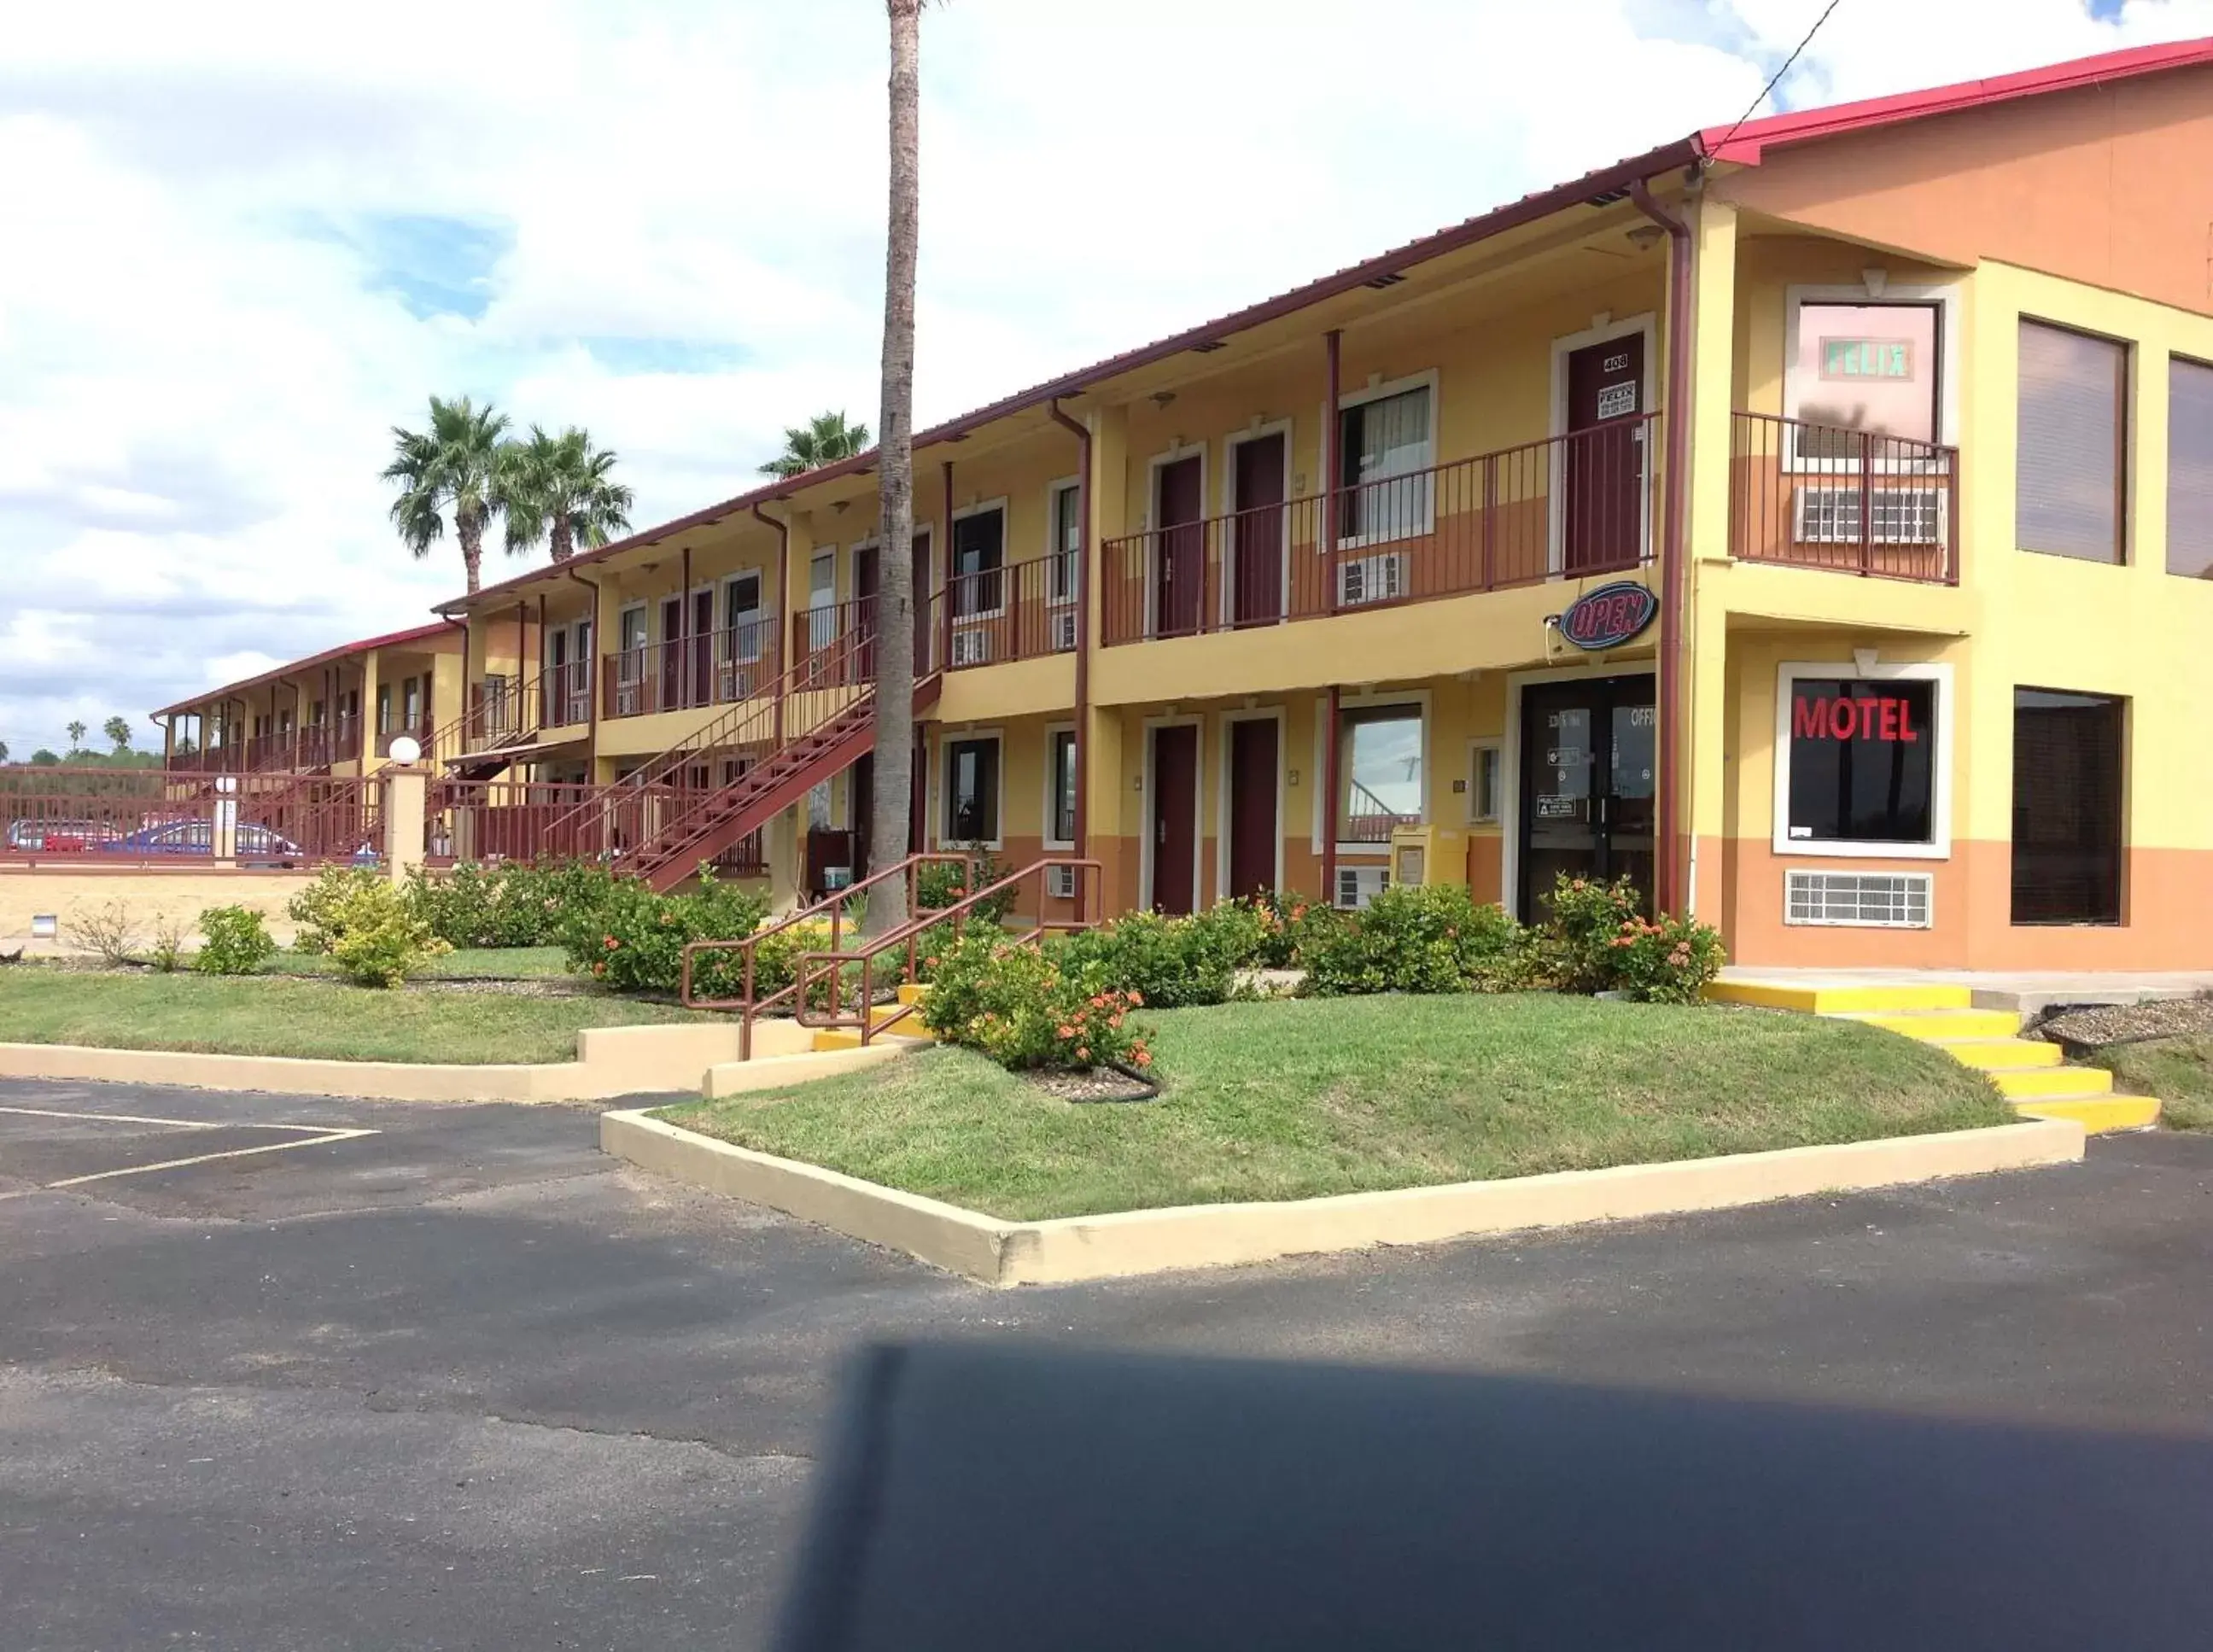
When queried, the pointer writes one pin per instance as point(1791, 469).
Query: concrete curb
point(1070, 1248)
point(611, 1062)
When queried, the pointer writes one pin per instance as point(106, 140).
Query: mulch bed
point(2133, 1023)
point(1096, 1084)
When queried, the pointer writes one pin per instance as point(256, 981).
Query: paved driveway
point(367, 1375)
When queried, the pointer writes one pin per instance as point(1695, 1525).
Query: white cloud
point(227, 220)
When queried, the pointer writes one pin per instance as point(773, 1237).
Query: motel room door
point(1255, 834)
point(1604, 476)
point(1175, 823)
point(1257, 568)
point(1179, 503)
point(1588, 761)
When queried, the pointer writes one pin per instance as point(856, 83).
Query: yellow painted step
point(2040, 1083)
point(913, 992)
point(827, 1039)
point(1842, 1000)
point(1943, 1026)
point(2004, 1055)
point(2097, 1113)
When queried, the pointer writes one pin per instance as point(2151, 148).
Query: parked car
point(60, 836)
point(256, 843)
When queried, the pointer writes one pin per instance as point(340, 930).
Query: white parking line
point(312, 1136)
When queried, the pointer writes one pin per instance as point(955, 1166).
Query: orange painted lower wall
point(2167, 906)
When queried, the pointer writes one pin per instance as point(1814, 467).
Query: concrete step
point(2053, 1083)
point(2003, 1055)
point(1944, 1026)
point(2096, 1113)
point(1874, 998)
point(913, 992)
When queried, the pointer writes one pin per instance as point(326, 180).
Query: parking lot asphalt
point(365, 1375)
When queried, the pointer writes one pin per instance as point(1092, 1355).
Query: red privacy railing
point(1569, 505)
point(564, 695)
point(1817, 495)
point(1023, 611)
point(150, 817)
point(718, 668)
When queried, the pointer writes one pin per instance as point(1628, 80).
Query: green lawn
point(260, 1015)
point(2179, 1071)
point(462, 964)
point(1293, 1099)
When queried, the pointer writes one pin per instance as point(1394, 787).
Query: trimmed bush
point(318, 909)
point(508, 903)
point(1174, 962)
point(1290, 925)
point(376, 936)
point(233, 941)
point(1597, 939)
point(1029, 1010)
point(633, 940)
point(939, 884)
point(1416, 939)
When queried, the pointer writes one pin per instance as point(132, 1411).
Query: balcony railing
point(1567, 506)
point(834, 646)
point(423, 732)
point(1856, 502)
point(315, 747)
point(564, 695)
point(1024, 611)
point(718, 667)
point(149, 817)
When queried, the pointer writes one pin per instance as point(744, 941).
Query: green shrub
point(633, 940)
point(1234, 932)
point(1174, 962)
point(508, 903)
point(233, 942)
point(166, 950)
point(317, 908)
point(938, 884)
point(1026, 1009)
point(1668, 962)
point(1582, 918)
point(1415, 938)
point(377, 938)
point(1290, 925)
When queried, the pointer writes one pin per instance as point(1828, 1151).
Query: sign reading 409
point(1609, 616)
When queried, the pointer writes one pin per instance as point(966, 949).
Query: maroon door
point(672, 654)
point(1257, 593)
point(864, 612)
point(1253, 831)
point(702, 636)
point(1175, 805)
point(1605, 471)
point(1177, 505)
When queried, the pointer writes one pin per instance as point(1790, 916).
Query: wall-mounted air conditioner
point(1358, 885)
point(971, 647)
point(1060, 882)
point(1371, 579)
point(1895, 516)
point(1063, 627)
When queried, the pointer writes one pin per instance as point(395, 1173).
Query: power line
point(1779, 73)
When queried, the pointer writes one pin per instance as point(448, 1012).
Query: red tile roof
point(394, 639)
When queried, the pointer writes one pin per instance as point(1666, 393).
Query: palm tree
point(457, 467)
point(3, 751)
point(118, 733)
point(895, 650)
point(823, 440)
point(77, 732)
point(560, 486)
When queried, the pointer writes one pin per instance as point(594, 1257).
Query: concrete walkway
point(2029, 991)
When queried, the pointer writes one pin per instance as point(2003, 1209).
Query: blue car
point(254, 843)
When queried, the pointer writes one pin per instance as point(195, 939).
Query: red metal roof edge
point(1526, 208)
point(1753, 137)
point(392, 639)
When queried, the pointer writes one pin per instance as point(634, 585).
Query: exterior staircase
point(2029, 1072)
point(910, 1028)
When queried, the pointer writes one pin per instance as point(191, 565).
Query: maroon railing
point(834, 647)
point(1569, 505)
point(150, 817)
point(1021, 612)
point(1368, 820)
point(564, 695)
point(425, 735)
point(1816, 496)
point(713, 669)
point(296, 820)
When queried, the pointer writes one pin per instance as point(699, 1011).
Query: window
point(2068, 471)
point(1861, 761)
point(741, 616)
point(1064, 512)
point(1060, 778)
point(822, 600)
point(972, 791)
point(2066, 807)
point(2189, 468)
point(631, 622)
point(1862, 370)
point(410, 699)
point(978, 553)
point(384, 708)
point(1384, 454)
point(1380, 760)
point(1485, 804)
point(315, 714)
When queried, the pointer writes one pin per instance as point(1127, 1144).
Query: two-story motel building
point(1902, 410)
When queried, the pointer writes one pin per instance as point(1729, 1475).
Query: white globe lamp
point(406, 750)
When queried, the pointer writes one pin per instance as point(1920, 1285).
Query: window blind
point(2067, 758)
point(2073, 434)
point(2189, 468)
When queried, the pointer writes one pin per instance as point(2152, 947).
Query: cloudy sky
point(244, 239)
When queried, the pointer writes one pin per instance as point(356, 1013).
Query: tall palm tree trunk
point(895, 592)
point(468, 527)
point(561, 535)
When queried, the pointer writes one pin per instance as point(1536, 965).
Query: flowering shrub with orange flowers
point(1596, 938)
point(633, 940)
point(1022, 1008)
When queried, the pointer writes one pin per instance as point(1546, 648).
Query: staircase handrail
point(907, 935)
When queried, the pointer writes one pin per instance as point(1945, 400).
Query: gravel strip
point(2116, 1023)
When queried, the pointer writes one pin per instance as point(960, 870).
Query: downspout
point(1668, 890)
point(945, 585)
point(783, 603)
point(591, 683)
point(1083, 434)
point(684, 687)
point(1329, 734)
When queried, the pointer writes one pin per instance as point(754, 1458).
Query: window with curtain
point(384, 708)
point(2067, 785)
point(972, 791)
point(1380, 761)
point(822, 600)
point(978, 550)
point(741, 595)
point(1385, 454)
point(2189, 468)
point(1060, 748)
point(2069, 468)
point(411, 702)
point(1067, 542)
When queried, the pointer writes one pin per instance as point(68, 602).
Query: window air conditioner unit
point(735, 682)
point(971, 647)
point(1064, 631)
point(1831, 516)
point(1060, 882)
point(1358, 885)
point(1857, 900)
point(1371, 579)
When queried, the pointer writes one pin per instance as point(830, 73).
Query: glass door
point(1589, 765)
